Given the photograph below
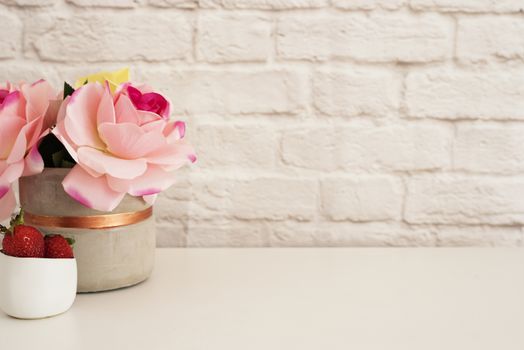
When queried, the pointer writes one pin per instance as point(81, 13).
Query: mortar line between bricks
point(261, 66)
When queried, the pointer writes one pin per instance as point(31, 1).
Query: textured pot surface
point(108, 258)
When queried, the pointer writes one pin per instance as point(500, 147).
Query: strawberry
point(21, 240)
point(58, 247)
point(28, 242)
point(8, 245)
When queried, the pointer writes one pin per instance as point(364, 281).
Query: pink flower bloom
point(24, 119)
point(119, 147)
point(145, 99)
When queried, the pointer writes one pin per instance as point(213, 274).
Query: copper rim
point(89, 222)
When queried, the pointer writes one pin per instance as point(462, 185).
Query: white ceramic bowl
point(36, 288)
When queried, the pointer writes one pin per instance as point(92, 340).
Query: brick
point(187, 4)
point(11, 30)
point(105, 3)
point(210, 197)
point(368, 4)
point(217, 197)
point(499, 6)
point(227, 234)
point(404, 147)
point(356, 92)
point(175, 204)
point(119, 36)
point(274, 199)
point(373, 235)
point(489, 148)
point(249, 146)
point(492, 94)
point(172, 234)
point(28, 3)
point(362, 198)
point(312, 148)
point(263, 4)
point(383, 37)
point(292, 234)
point(367, 146)
point(231, 91)
point(28, 72)
point(227, 38)
point(484, 38)
point(479, 237)
point(348, 234)
point(446, 199)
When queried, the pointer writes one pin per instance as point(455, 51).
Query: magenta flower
point(145, 99)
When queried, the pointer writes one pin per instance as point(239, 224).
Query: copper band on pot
point(89, 222)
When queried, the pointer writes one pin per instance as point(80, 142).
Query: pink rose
point(120, 146)
point(24, 119)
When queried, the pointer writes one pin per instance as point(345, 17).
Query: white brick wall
point(317, 122)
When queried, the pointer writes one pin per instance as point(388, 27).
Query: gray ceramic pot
point(107, 258)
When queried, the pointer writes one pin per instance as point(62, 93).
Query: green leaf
point(71, 241)
point(48, 147)
point(67, 164)
point(54, 153)
point(17, 219)
point(58, 157)
point(68, 90)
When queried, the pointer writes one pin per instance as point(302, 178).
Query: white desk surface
point(326, 299)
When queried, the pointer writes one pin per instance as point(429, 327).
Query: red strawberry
point(28, 242)
point(21, 240)
point(58, 247)
point(8, 246)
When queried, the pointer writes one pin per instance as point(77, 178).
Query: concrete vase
point(108, 258)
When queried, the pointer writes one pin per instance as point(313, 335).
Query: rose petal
point(145, 117)
point(153, 181)
point(92, 192)
point(173, 156)
point(60, 132)
point(27, 138)
point(81, 116)
point(51, 113)
point(11, 104)
point(34, 164)
point(9, 131)
point(121, 139)
point(104, 163)
point(37, 97)
point(11, 173)
point(175, 131)
point(129, 141)
point(106, 109)
point(125, 111)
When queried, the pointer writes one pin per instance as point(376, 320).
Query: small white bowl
point(33, 288)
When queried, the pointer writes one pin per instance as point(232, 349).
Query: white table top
point(338, 298)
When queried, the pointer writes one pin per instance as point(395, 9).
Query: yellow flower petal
point(113, 78)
